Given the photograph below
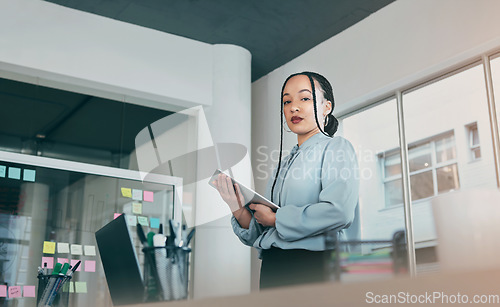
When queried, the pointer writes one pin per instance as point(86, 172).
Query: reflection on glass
point(444, 143)
point(445, 149)
point(393, 193)
point(374, 135)
point(392, 164)
point(447, 178)
point(422, 185)
point(420, 157)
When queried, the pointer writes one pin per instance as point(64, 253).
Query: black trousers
point(287, 267)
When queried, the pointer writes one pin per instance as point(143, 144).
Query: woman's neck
point(301, 138)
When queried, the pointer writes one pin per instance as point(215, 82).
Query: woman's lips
point(296, 119)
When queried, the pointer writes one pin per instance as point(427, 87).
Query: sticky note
point(155, 222)
point(3, 291)
point(29, 175)
point(148, 196)
point(29, 291)
point(62, 248)
point(49, 261)
point(131, 220)
point(3, 169)
point(143, 220)
point(89, 266)
point(14, 291)
point(116, 215)
point(76, 249)
point(89, 250)
point(80, 286)
point(49, 247)
point(14, 173)
point(136, 194)
point(126, 192)
point(62, 260)
point(74, 262)
point(68, 287)
point(137, 208)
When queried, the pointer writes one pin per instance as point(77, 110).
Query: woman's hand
point(224, 185)
point(263, 214)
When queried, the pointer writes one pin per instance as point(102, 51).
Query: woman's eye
point(286, 102)
point(306, 99)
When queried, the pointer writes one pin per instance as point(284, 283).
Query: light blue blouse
point(317, 190)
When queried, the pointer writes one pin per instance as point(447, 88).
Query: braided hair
point(331, 123)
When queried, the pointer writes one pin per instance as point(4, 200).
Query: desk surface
point(456, 286)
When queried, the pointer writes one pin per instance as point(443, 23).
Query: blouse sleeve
point(247, 236)
point(337, 200)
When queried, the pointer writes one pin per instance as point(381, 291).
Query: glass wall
point(50, 215)
point(449, 148)
point(374, 135)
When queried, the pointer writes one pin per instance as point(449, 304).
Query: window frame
point(433, 167)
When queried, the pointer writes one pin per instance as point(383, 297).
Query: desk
point(336, 294)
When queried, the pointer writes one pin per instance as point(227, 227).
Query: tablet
point(249, 195)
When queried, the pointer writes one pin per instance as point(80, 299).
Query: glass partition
point(379, 216)
point(449, 139)
point(50, 210)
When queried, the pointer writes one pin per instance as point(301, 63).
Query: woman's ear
point(328, 107)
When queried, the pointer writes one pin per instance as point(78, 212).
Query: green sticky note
point(3, 169)
point(142, 220)
point(71, 287)
point(29, 175)
point(80, 286)
point(14, 173)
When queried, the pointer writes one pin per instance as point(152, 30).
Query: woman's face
point(299, 109)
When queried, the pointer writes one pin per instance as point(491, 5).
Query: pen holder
point(166, 272)
point(62, 297)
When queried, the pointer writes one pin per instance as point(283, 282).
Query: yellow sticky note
point(137, 208)
point(126, 192)
point(49, 247)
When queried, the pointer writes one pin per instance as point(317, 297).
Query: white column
point(221, 261)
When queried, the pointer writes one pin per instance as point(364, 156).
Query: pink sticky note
point(116, 215)
point(73, 262)
point(29, 291)
point(3, 291)
point(14, 291)
point(89, 266)
point(148, 196)
point(62, 260)
point(49, 261)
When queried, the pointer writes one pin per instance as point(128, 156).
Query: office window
point(433, 170)
point(473, 140)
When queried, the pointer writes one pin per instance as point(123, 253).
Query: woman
point(316, 187)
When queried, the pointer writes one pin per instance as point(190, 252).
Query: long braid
point(281, 135)
point(314, 103)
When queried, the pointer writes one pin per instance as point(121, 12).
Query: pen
point(50, 285)
point(57, 285)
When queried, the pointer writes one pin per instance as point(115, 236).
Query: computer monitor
point(120, 262)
